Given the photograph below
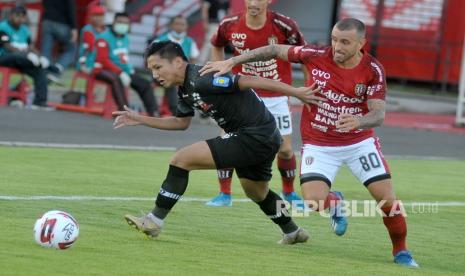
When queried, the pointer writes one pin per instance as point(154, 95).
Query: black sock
point(171, 191)
point(281, 217)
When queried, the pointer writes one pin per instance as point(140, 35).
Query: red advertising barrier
point(414, 39)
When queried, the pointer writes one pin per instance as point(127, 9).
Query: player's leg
point(287, 168)
point(144, 89)
point(370, 167)
point(193, 157)
point(224, 198)
point(319, 167)
point(394, 220)
point(270, 203)
point(279, 107)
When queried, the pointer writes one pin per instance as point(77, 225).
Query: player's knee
point(178, 161)
point(315, 202)
point(388, 200)
point(255, 194)
point(285, 152)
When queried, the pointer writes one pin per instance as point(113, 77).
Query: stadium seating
point(92, 106)
point(21, 90)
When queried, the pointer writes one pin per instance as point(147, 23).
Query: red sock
point(225, 179)
point(287, 169)
point(331, 200)
point(397, 228)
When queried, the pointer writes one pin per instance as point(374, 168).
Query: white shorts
point(279, 107)
point(364, 159)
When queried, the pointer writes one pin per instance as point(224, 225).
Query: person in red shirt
point(88, 35)
point(112, 65)
point(340, 130)
point(245, 31)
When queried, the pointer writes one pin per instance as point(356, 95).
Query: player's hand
point(308, 95)
point(127, 117)
point(347, 122)
point(220, 67)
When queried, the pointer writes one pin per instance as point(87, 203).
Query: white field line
point(84, 146)
point(154, 148)
point(187, 199)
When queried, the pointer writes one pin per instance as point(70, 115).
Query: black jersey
point(221, 99)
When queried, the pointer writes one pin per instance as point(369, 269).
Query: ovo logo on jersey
point(238, 36)
point(319, 73)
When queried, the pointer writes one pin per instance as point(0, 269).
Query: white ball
point(56, 229)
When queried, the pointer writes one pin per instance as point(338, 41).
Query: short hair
point(18, 10)
point(348, 24)
point(172, 19)
point(165, 49)
point(121, 14)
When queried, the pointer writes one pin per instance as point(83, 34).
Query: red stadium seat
point(5, 92)
point(104, 108)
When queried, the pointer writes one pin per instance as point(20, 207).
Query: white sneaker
point(301, 235)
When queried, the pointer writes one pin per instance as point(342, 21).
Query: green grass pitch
point(199, 240)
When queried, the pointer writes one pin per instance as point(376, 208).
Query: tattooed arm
point(374, 118)
point(262, 53)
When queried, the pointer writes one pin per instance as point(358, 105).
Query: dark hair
point(18, 10)
point(165, 49)
point(172, 19)
point(121, 14)
point(347, 24)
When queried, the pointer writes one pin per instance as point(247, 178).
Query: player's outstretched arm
point(262, 53)
point(308, 95)
point(374, 117)
point(130, 118)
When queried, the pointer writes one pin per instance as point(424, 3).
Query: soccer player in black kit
point(249, 146)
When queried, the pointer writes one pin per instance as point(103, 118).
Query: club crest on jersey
point(221, 81)
point(308, 160)
point(272, 40)
point(360, 89)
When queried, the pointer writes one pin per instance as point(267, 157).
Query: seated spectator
point(59, 26)
point(178, 33)
point(112, 65)
point(89, 34)
point(17, 51)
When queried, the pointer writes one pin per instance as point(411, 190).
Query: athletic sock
point(287, 170)
point(171, 191)
point(270, 205)
point(156, 220)
point(397, 227)
point(225, 179)
point(331, 200)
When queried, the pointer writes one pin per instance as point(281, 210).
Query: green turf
point(203, 240)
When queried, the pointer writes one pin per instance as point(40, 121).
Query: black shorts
point(250, 151)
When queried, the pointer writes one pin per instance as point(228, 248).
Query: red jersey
point(347, 91)
point(278, 29)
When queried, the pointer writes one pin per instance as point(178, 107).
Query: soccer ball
point(56, 229)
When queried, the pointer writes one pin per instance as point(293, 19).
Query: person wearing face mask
point(112, 65)
point(177, 33)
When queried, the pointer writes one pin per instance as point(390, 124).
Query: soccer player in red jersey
point(340, 130)
point(245, 31)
